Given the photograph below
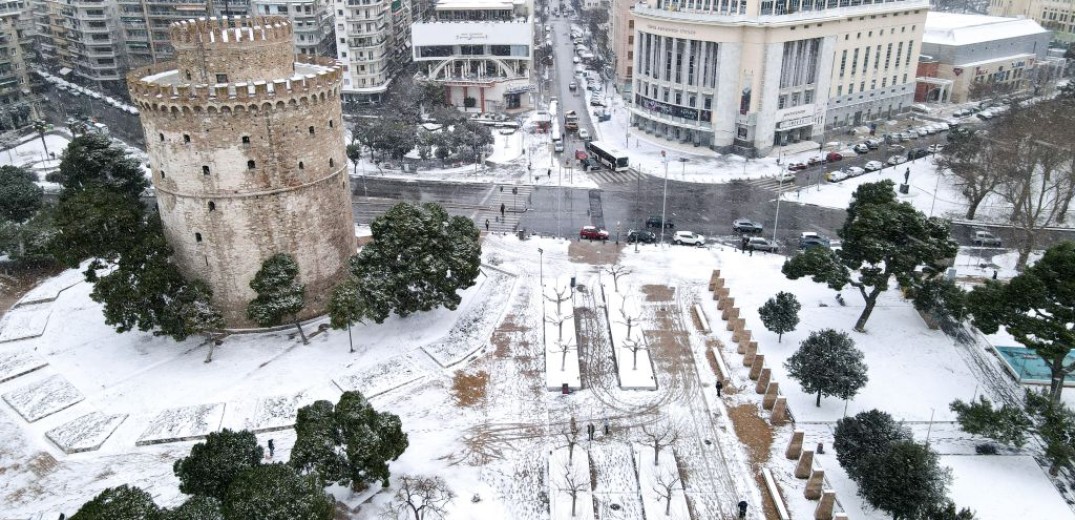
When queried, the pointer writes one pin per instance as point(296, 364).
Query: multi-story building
point(480, 51)
point(621, 40)
point(145, 23)
point(1055, 15)
point(747, 75)
point(16, 27)
point(372, 38)
point(311, 19)
point(80, 38)
point(966, 56)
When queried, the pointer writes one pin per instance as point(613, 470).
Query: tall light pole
point(541, 266)
point(779, 194)
point(664, 198)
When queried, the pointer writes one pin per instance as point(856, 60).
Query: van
point(558, 146)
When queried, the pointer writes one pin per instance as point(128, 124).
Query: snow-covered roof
point(461, 5)
point(969, 29)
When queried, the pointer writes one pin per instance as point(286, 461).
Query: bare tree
point(571, 436)
point(558, 320)
point(972, 162)
point(666, 485)
point(634, 345)
point(562, 295)
point(660, 435)
point(423, 497)
point(574, 484)
point(629, 318)
point(617, 271)
point(563, 348)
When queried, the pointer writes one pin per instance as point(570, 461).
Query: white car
point(855, 171)
point(584, 134)
point(896, 159)
point(873, 166)
point(835, 176)
point(689, 238)
point(785, 176)
point(575, 59)
point(934, 148)
point(922, 132)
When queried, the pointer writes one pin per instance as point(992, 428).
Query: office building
point(1057, 16)
point(372, 41)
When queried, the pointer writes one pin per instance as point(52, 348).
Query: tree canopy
point(214, 463)
point(276, 492)
point(119, 503)
point(92, 160)
point(882, 238)
point(827, 363)
point(196, 508)
point(780, 314)
point(279, 294)
point(418, 260)
point(905, 481)
point(20, 197)
point(96, 222)
point(867, 432)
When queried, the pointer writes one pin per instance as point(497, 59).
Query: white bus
point(608, 155)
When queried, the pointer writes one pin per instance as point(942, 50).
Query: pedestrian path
point(605, 177)
point(513, 204)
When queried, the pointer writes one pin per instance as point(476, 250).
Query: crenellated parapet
point(231, 30)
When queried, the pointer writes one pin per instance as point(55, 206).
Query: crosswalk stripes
point(772, 184)
point(514, 207)
point(612, 177)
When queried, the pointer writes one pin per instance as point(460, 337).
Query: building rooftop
point(970, 29)
point(465, 5)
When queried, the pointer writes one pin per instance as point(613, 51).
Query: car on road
point(785, 176)
point(896, 159)
point(813, 161)
point(797, 167)
point(985, 239)
point(922, 132)
point(593, 233)
point(688, 238)
point(558, 146)
point(572, 86)
point(835, 176)
point(574, 60)
point(917, 153)
point(590, 164)
point(896, 148)
point(761, 244)
point(743, 225)
point(854, 171)
point(810, 239)
point(655, 222)
point(833, 157)
point(873, 166)
point(861, 148)
point(584, 134)
point(596, 103)
point(872, 144)
point(934, 148)
point(640, 236)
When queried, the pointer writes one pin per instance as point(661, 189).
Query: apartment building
point(16, 102)
point(1057, 16)
point(748, 75)
point(621, 39)
point(80, 38)
point(144, 24)
point(312, 21)
point(480, 51)
point(373, 41)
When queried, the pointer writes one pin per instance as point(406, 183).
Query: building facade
point(745, 76)
point(480, 52)
point(372, 40)
point(622, 42)
point(247, 152)
point(1057, 16)
point(312, 21)
point(980, 56)
point(80, 39)
point(16, 99)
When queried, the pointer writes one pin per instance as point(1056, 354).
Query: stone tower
point(247, 151)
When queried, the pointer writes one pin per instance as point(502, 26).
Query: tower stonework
point(247, 151)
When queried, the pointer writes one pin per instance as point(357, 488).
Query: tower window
point(332, 163)
point(198, 237)
point(186, 138)
point(205, 170)
point(212, 206)
point(246, 139)
point(311, 130)
point(161, 136)
point(221, 78)
point(301, 166)
point(250, 165)
point(330, 123)
point(162, 173)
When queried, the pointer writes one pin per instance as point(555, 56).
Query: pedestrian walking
point(589, 430)
point(63, 516)
point(906, 175)
point(608, 429)
point(720, 386)
point(272, 448)
point(502, 207)
point(743, 508)
point(487, 224)
point(548, 173)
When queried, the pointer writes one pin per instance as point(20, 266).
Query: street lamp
point(779, 195)
point(541, 266)
point(664, 198)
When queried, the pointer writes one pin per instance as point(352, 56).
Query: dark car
point(593, 233)
point(917, 153)
point(797, 167)
point(834, 156)
point(813, 161)
point(760, 244)
point(655, 222)
point(746, 226)
point(809, 239)
point(643, 237)
point(590, 164)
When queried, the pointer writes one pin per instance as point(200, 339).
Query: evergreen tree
point(349, 444)
point(213, 464)
point(119, 503)
point(418, 260)
point(20, 197)
point(780, 314)
point(866, 433)
point(96, 223)
point(276, 492)
point(196, 508)
point(905, 481)
point(138, 291)
point(948, 511)
point(1007, 424)
point(92, 160)
point(882, 237)
point(1055, 423)
point(280, 295)
point(827, 363)
point(347, 306)
point(1036, 308)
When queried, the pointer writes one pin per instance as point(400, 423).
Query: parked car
point(743, 225)
point(833, 157)
point(917, 153)
point(643, 237)
point(854, 171)
point(584, 134)
point(596, 103)
point(558, 146)
point(761, 244)
point(655, 222)
point(896, 148)
point(934, 148)
point(813, 161)
point(593, 233)
point(785, 176)
point(835, 176)
point(985, 239)
point(797, 167)
point(922, 132)
point(873, 144)
point(861, 148)
point(688, 238)
point(896, 159)
point(810, 239)
point(572, 86)
point(873, 166)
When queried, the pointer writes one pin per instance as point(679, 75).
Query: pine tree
point(20, 197)
point(347, 307)
point(96, 223)
point(418, 260)
point(827, 363)
point(1007, 424)
point(867, 432)
point(276, 492)
point(119, 503)
point(214, 463)
point(780, 314)
point(92, 160)
point(316, 440)
point(279, 296)
point(196, 508)
point(905, 480)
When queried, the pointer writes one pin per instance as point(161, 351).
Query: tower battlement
point(231, 30)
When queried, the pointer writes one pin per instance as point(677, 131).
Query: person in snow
point(487, 224)
point(720, 386)
point(743, 509)
point(272, 448)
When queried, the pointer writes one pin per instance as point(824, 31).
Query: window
point(855, 62)
point(221, 78)
point(198, 237)
point(808, 96)
point(311, 130)
point(162, 173)
point(162, 137)
point(839, 90)
point(212, 206)
point(186, 138)
point(250, 165)
point(330, 123)
point(866, 59)
point(246, 139)
point(205, 170)
point(332, 163)
point(302, 166)
point(843, 62)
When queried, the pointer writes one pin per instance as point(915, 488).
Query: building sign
point(795, 123)
point(653, 105)
point(670, 30)
point(519, 89)
point(472, 36)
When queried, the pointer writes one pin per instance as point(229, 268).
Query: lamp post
point(664, 198)
point(541, 266)
point(779, 195)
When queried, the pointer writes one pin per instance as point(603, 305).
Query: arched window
point(331, 163)
point(205, 170)
point(301, 166)
point(212, 206)
point(250, 165)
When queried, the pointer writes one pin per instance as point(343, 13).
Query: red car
point(593, 233)
point(834, 156)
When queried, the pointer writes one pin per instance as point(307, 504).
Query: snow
point(633, 375)
point(561, 355)
point(471, 331)
point(43, 398)
point(649, 477)
point(183, 424)
point(969, 29)
point(578, 467)
point(51, 288)
point(276, 412)
point(15, 363)
point(86, 433)
point(999, 487)
point(389, 375)
point(25, 321)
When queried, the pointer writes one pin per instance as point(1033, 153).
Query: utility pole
point(664, 198)
point(779, 194)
